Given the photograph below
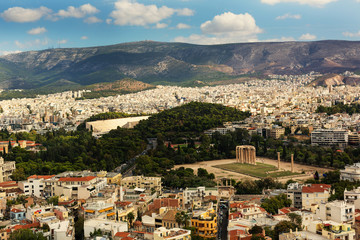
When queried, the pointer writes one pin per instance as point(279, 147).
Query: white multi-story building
point(337, 211)
point(34, 185)
point(351, 172)
point(106, 226)
point(353, 197)
point(198, 193)
point(328, 137)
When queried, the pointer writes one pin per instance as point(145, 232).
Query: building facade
point(351, 172)
point(329, 137)
point(205, 223)
point(147, 183)
point(6, 169)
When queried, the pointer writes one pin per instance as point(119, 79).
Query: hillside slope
point(174, 63)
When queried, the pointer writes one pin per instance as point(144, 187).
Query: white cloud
point(241, 24)
point(226, 28)
point(84, 38)
point(36, 31)
point(282, 39)
point(185, 12)
point(289, 16)
point(33, 43)
point(109, 21)
point(307, 37)
point(92, 19)
point(130, 12)
point(80, 12)
point(182, 26)
point(3, 53)
point(63, 41)
point(21, 15)
point(161, 25)
point(350, 34)
point(314, 3)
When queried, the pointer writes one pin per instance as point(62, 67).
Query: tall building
point(337, 211)
point(328, 137)
point(6, 170)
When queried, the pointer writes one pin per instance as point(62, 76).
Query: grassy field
point(259, 170)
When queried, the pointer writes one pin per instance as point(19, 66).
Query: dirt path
point(209, 166)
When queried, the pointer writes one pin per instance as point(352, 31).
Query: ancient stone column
point(237, 154)
point(254, 156)
point(278, 155)
point(292, 162)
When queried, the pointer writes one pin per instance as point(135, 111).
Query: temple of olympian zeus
point(246, 154)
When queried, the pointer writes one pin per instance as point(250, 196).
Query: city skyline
point(43, 24)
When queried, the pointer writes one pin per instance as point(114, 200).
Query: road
point(223, 219)
point(130, 165)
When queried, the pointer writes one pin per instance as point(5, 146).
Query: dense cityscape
point(180, 120)
point(136, 201)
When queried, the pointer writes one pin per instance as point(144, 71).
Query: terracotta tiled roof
point(8, 184)
point(40, 176)
point(316, 188)
point(169, 215)
point(15, 210)
point(137, 223)
point(122, 234)
point(76, 179)
point(27, 226)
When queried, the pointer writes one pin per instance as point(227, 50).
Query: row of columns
point(246, 154)
point(292, 161)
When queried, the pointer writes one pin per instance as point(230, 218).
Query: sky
point(40, 24)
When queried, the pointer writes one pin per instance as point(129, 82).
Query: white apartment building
point(351, 172)
point(32, 187)
point(61, 230)
point(328, 137)
point(198, 193)
point(353, 197)
point(337, 211)
point(106, 226)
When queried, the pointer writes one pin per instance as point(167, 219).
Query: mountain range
point(172, 63)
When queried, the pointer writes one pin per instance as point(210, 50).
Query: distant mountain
point(173, 63)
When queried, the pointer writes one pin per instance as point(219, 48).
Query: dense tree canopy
point(190, 119)
point(340, 108)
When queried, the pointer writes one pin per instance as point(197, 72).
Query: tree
point(26, 234)
point(178, 218)
point(53, 200)
point(257, 237)
point(283, 227)
point(256, 230)
point(79, 228)
point(18, 175)
point(273, 204)
point(96, 233)
point(296, 219)
point(182, 218)
point(130, 218)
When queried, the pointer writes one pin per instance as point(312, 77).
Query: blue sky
point(41, 24)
